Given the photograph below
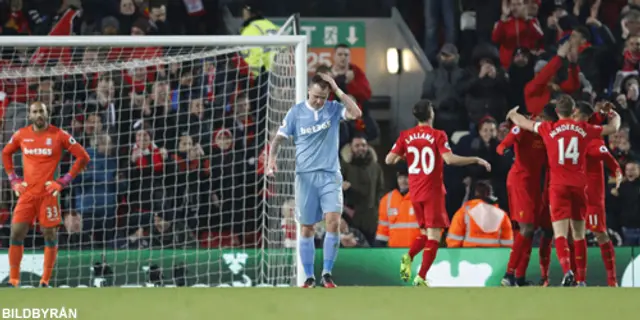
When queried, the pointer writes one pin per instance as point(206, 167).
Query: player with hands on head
point(42, 146)
point(597, 154)
point(314, 126)
point(566, 142)
point(426, 150)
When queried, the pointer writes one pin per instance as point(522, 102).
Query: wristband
point(65, 180)
point(13, 177)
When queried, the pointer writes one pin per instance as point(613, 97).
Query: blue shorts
point(317, 193)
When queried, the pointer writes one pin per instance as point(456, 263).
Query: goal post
point(63, 77)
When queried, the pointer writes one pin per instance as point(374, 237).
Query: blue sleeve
point(339, 109)
point(288, 126)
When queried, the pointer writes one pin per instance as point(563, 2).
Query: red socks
point(581, 259)
point(564, 253)
point(545, 256)
point(572, 256)
point(417, 245)
point(428, 255)
point(15, 258)
point(609, 259)
point(516, 253)
point(525, 254)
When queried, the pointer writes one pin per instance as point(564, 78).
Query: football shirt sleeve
point(82, 157)
point(442, 143)
point(593, 131)
point(7, 153)
point(400, 147)
point(288, 126)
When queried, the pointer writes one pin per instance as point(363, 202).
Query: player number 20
point(52, 213)
point(569, 151)
point(423, 160)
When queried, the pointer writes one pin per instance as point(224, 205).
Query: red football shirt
point(566, 141)
point(531, 155)
point(597, 153)
point(423, 146)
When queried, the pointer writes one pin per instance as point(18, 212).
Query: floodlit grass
point(345, 303)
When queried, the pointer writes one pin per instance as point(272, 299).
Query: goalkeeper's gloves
point(17, 185)
point(55, 187)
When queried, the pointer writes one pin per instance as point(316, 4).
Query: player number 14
point(569, 151)
point(423, 160)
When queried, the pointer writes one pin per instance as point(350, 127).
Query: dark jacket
point(441, 86)
point(629, 197)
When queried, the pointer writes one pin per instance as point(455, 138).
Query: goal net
point(178, 130)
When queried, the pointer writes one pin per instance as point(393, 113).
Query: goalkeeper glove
point(17, 185)
point(55, 187)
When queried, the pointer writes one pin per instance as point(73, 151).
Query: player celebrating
point(425, 148)
point(524, 186)
point(314, 127)
point(41, 145)
point(566, 142)
point(597, 153)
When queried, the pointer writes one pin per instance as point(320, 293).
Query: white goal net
point(177, 129)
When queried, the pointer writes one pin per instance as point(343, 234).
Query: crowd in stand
point(177, 150)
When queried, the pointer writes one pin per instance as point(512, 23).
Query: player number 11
point(568, 152)
point(425, 158)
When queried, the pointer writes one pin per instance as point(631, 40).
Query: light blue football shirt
point(316, 135)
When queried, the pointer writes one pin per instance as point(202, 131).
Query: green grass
point(346, 303)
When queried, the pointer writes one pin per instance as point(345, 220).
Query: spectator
point(521, 72)
point(442, 86)
point(97, 188)
point(225, 183)
point(165, 233)
point(353, 81)
point(482, 145)
point(485, 89)
point(128, 15)
point(479, 223)
point(146, 166)
point(362, 184)
point(629, 203)
point(594, 53)
point(435, 13)
point(288, 223)
point(110, 26)
point(516, 29)
point(351, 237)
point(72, 235)
point(397, 224)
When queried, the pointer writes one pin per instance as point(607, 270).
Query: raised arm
point(520, 120)
point(353, 111)
point(613, 126)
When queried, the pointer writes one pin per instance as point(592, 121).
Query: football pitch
point(345, 303)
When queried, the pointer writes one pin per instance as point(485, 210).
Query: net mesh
point(175, 193)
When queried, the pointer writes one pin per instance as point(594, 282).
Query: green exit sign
point(327, 34)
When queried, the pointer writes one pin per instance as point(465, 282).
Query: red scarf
point(191, 165)
point(156, 157)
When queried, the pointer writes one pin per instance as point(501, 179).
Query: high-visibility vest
point(479, 224)
point(258, 57)
point(397, 224)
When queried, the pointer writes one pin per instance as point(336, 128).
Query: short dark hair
point(585, 108)
point(584, 32)
point(323, 68)
point(565, 105)
point(317, 79)
point(549, 112)
point(422, 110)
point(483, 189)
point(342, 45)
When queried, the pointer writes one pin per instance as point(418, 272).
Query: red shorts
point(431, 213)
point(543, 219)
point(524, 203)
point(567, 202)
point(45, 209)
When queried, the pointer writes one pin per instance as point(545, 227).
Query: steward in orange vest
point(480, 223)
point(397, 225)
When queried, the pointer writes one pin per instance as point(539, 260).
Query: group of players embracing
point(556, 183)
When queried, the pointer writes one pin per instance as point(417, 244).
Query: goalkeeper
point(314, 126)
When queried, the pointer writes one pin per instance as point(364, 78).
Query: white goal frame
point(299, 42)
